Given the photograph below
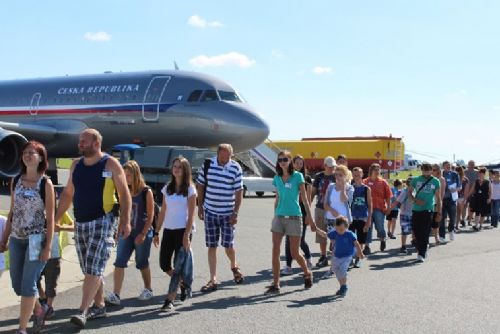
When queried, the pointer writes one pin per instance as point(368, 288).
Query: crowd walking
point(113, 207)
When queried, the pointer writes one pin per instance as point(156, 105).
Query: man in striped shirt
point(220, 193)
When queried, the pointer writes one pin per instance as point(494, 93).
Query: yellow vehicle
point(360, 151)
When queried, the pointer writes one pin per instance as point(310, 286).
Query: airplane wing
point(46, 131)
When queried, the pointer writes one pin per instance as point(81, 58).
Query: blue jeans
point(449, 211)
point(127, 246)
point(495, 211)
point(23, 272)
point(378, 219)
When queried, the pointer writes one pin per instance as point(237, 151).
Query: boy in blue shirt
point(345, 245)
point(393, 216)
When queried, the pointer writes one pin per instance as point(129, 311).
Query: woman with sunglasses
point(299, 166)
point(288, 218)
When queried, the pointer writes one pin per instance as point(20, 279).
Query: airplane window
point(229, 96)
point(209, 95)
point(194, 96)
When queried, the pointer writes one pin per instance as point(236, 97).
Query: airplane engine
point(11, 144)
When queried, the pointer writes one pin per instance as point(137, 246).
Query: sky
point(426, 70)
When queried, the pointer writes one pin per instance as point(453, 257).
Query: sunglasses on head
point(283, 159)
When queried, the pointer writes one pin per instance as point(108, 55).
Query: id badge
point(288, 185)
point(107, 174)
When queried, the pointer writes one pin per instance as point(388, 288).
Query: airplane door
point(152, 98)
point(35, 104)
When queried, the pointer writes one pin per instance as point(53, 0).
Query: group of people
point(347, 208)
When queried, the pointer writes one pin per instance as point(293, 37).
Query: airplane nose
point(253, 129)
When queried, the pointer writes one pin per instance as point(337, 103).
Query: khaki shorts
point(320, 220)
point(291, 226)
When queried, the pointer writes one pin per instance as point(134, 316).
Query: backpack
point(41, 190)
point(156, 207)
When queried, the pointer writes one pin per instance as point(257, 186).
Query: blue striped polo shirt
point(223, 183)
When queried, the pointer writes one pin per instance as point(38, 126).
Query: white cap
point(330, 162)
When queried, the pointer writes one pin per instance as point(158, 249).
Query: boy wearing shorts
point(346, 246)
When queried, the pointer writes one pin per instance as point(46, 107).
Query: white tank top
point(495, 190)
point(336, 204)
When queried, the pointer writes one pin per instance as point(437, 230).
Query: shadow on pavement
point(314, 301)
point(394, 265)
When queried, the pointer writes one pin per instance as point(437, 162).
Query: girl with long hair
point(140, 238)
point(177, 220)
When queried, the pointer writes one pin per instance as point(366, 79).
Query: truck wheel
point(259, 193)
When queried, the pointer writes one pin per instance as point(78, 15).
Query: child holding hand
point(345, 245)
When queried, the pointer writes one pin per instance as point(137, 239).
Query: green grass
point(64, 163)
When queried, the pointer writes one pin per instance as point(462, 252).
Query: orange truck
point(360, 151)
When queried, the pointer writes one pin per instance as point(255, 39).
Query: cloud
point(277, 54)
point(472, 141)
point(231, 58)
point(100, 36)
point(199, 22)
point(319, 70)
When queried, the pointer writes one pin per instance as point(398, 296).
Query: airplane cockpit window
point(229, 96)
point(210, 95)
point(194, 96)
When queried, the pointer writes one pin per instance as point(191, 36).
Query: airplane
point(150, 108)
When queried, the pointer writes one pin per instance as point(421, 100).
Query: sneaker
point(168, 306)
point(112, 298)
point(452, 235)
point(286, 271)
point(392, 236)
point(309, 264)
point(442, 240)
point(382, 245)
point(367, 250)
point(272, 290)
point(327, 275)
point(146, 294)
point(403, 250)
point(462, 222)
point(39, 320)
point(79, 319)
point(342, 292)
point(96, 312)
point(357, 263)
point(322, 262)
point(475, 228)
point(420, 259)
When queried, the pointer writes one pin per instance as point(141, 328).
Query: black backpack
point(155, 205)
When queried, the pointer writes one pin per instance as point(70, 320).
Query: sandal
point(308, 280)
point(209, 287)
point(238, 275)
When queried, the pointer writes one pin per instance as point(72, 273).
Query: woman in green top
point(288, 218)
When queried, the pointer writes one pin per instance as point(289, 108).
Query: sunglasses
point(280, 160)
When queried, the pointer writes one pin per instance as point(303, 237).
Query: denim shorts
point(23, 272)
point(94, 242)
point(340, 266)
point(216, 227)
point(127, 246)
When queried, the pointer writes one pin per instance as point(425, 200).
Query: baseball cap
point(330, 162)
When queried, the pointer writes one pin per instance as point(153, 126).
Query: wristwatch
point(155, 234)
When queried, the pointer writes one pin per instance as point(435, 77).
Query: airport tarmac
point(455, 291)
